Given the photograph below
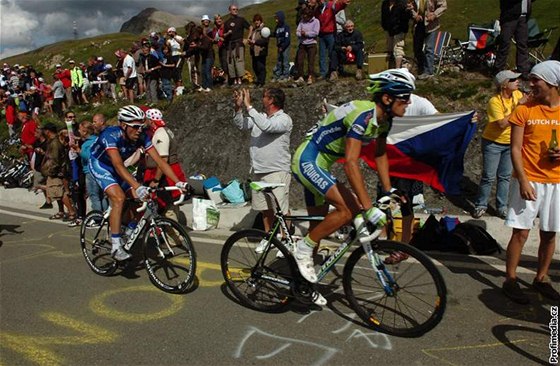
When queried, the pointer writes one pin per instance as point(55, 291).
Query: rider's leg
point(346, 207)
point(116, 198)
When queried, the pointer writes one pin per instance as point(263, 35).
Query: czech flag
point(430, 149)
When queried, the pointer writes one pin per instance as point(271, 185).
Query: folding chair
point(440, 48)
point(537, 41)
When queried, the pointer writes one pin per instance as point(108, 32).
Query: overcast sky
point(28, 24)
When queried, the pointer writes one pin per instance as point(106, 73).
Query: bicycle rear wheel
point(261, 281)
point(169, 256)
point(95, 240)
point(419, 293)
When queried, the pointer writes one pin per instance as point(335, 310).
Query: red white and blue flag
point(430, 149)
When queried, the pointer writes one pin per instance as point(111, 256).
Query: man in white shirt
point(130, 76)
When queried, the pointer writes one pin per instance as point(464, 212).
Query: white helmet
point(154, 114)
point(131, 113)
point(265, 32)
point(394, 82)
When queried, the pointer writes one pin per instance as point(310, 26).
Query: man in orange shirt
point(535, 189)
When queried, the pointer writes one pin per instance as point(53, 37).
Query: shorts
point(282, 193)
point(38, 179)
point(56, 188)
point(130, 83)
point(106, 176)
point(312, 170)
point(521, 214)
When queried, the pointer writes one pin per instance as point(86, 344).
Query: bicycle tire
point(246, 278)
point(171, 264)
point(96, 244)
point(420, 295)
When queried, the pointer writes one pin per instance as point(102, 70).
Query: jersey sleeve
point(519, 115)
point(358, 124)
point(161, 142)
point(495, 110)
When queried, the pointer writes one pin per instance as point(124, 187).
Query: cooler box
point(397, 227)
point(377, 62)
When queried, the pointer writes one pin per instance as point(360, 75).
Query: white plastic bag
point(205, 214)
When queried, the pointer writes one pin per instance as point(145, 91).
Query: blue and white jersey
point(112, 138)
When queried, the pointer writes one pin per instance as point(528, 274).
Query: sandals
point(396, 257)
point(70, 218)
point(57, 216)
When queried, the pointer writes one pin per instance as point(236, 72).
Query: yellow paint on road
point(36, 350)
point(430, 351)
point(99, 305)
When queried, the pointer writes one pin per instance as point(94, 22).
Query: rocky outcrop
point(210, 144)
point(153, 20)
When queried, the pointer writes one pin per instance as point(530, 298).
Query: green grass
point(365, 13)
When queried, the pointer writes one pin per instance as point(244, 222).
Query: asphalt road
point(55, 311)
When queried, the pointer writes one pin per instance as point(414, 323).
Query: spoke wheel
point(261, 281)
point(95, 240)
point(416, 301)
point(169, 256)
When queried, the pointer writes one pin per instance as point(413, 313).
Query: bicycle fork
point(383, 275)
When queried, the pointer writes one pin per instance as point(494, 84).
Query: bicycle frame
point(381, 271)
point(150, 212)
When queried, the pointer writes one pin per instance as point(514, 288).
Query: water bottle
point(130, 228)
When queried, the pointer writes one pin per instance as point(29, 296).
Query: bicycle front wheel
point(95, 240)
point(255, 273)
point(169, 256)
point(409, 306)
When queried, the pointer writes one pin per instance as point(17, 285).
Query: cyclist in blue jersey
point(341, 134)
point(114, 145)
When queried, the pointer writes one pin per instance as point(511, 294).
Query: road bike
point(168, 252)
point(404, 299)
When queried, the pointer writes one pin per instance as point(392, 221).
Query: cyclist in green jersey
point(341, 134)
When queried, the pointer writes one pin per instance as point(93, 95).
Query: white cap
point(58, 65)
point(549, 71)
point(205, 17)
point(171, 29)
point(108, 66)
point(71, 62)
point(99, 58)
point(41, 80)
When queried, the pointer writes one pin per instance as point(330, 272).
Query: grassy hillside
point(365, 13)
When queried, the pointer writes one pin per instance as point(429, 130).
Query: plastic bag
point(233, 192)
point(205, 214)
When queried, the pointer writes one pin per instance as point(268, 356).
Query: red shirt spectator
point(28, 131)
point(64, 75)
point(326, 13)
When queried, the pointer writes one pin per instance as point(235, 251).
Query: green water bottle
point(553, 143)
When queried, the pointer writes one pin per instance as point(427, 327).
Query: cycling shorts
point(311, 168)
point(106, 176)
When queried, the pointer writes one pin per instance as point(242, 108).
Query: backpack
point(473, 239)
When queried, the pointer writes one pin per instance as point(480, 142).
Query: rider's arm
point(382, 163)
point(354, 173)
point(162, 164)
point(121, 170)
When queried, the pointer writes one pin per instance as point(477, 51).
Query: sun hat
point(171, 29)
point(504, 76)
point(205, 17)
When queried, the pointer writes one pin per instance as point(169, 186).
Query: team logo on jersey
point(359, 129)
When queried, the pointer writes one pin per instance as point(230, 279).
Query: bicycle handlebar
point(159, 189)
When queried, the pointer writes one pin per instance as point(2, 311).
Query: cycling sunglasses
point(136, 126)
point(403, 97)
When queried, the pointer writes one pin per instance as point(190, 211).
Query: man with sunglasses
point(341, 134)
point(115, 145)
